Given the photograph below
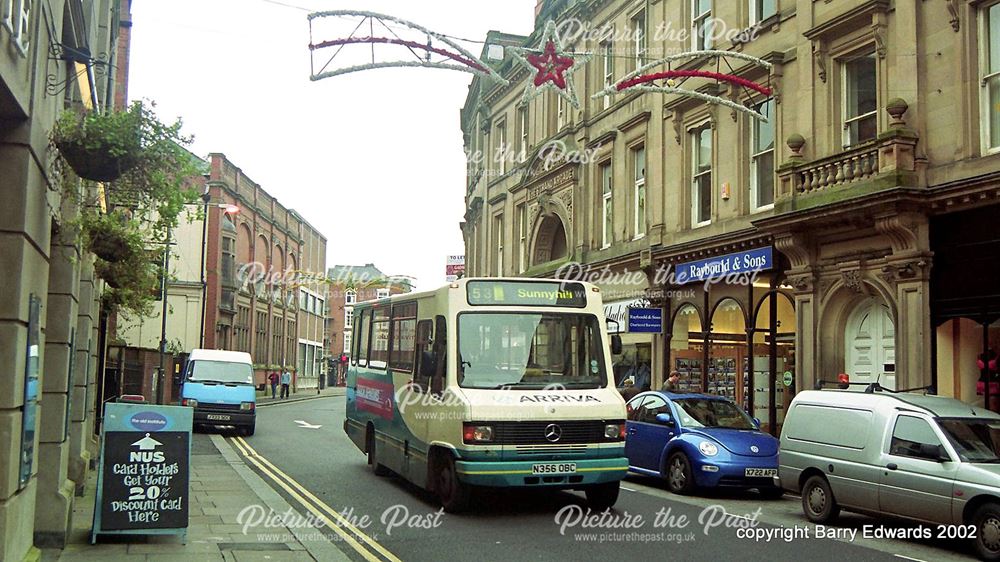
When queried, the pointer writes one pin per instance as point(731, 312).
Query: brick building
point(349, 284)
point(264, 269)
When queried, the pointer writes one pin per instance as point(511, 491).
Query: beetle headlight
point(708, 448)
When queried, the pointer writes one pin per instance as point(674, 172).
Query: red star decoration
point(551, 66)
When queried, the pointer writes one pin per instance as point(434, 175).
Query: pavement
point(221, 487)
point(264, 398)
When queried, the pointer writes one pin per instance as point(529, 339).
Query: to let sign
point(142, 485)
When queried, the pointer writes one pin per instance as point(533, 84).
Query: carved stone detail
point(796, 246)
point(878, 33)
point(901, 231)
point(853, 280)
point(567, 200)
point(952, 6)
point(819, 56)
point(802, 283)
point(893, 273)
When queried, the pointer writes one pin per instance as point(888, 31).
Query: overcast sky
point(373, 159)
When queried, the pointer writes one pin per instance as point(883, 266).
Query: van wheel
point(679, 477)
point(987, 522)
point(378, 469)
point(603, 496)
point(454, 494)
point(817, 500)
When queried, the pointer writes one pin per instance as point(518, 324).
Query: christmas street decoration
point(553, 66)
point(643, 80)
point(418, 41)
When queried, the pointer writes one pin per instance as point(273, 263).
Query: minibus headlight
point(708, 448)
point(247, 406)
point(477, 433)
point(614, 431)
point(189, 402)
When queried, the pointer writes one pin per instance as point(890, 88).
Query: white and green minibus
point(488, 383)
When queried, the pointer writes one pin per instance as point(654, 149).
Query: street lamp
point(161, 378)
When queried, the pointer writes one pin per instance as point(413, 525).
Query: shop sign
point(142, 485)
point(645, 320)
point(786, 378)
point(617, 314)
point(758, 259)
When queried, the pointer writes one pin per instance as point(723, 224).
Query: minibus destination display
point(521, 293)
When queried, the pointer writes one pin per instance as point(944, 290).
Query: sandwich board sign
point(142, 482)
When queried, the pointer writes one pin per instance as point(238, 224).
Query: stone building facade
point(53, 55)
point(867, 192)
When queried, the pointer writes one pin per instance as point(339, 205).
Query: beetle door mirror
point(665, 419)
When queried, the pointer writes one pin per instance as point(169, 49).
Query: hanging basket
point(95, 164)
point(109, 245)
point(111, 273)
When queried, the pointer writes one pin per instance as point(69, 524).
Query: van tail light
point(844, 378)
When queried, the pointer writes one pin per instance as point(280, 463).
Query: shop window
point(727, 352)
point(778, 334)
point(686, 348)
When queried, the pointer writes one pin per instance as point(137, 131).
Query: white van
point(926, 458)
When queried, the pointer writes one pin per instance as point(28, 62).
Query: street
point(384, 518)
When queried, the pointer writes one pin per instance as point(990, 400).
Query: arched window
point(351, 296)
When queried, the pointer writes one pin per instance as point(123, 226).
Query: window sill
point(701, 224)
point(639, 237)
point(762, 209)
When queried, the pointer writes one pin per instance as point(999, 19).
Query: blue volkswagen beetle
point(699, 441)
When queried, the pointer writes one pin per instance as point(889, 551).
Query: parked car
point(219, 386)
point(926, 458)
point(699, 441)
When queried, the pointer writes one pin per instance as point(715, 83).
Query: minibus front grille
point(539, 432)
point(551, 449)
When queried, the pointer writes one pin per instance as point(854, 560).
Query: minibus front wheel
point(453, 493)
point(603, 496)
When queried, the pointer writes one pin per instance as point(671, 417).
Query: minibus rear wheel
point(377, 468)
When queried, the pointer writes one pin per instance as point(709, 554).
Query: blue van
point(219, 386)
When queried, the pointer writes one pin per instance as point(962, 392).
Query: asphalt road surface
point(398, 521)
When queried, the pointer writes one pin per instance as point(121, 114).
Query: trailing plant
point(155, 177)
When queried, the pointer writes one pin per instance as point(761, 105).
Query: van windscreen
point(221, 371)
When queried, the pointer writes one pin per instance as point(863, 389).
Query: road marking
point(257, 459)
point(908, 558)
point(629, 489)
point(307, 425)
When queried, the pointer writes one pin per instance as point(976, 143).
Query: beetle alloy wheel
point(678, 474)
point(989, 530)
point(817, 500)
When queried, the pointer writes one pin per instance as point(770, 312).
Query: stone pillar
point(54, 509)
point(800, 251)
point(24, 240)
point(81, 432)
point(908, 271)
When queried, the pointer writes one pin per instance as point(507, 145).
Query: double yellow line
point(373, 552)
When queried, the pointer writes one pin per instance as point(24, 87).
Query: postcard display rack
point(761, 386)
point(725, 372)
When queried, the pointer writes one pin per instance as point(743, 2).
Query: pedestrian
point(273, 378)
point(670, 385)
point(286, 379)
point(630, 390)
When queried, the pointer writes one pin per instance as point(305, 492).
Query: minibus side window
point(440, 354)
point(424, 355)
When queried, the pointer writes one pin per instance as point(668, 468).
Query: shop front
point(965, 305)
point(636, 322)
point(731, 329)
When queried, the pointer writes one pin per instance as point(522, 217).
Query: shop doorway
point(871, 344)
